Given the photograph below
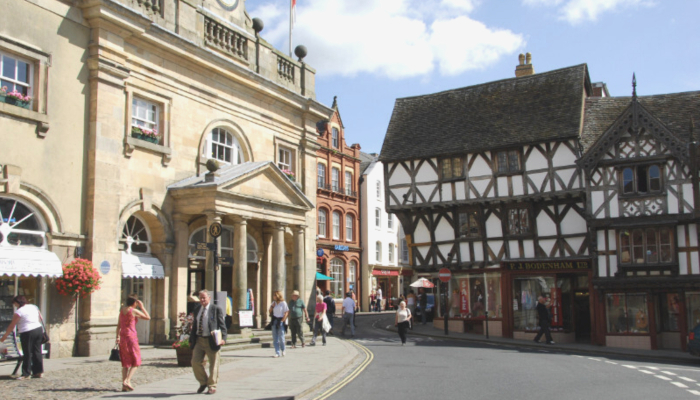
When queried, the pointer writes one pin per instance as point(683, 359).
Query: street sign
point(226, 260)
point(215, 230)
point(206, 246)
point(445, 275)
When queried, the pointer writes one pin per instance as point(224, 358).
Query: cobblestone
point(92, 378)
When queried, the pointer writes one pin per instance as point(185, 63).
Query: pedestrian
point(297, 312)
point(330, 309)
point(423, 305)
point(411, 301)
point(544, 319)
point(403, 321)
point(320, 313)
point(208, 318)
point(280, 313)
point(348, 313)
point(373, 301)
point(354, 298)
point(127, 339)
point(379, 299)
point(29, 322)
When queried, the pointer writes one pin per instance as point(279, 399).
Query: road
point(428, 368)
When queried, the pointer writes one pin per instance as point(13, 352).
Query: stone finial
point(335, 102)
point(300, 51)
point(212, 165)
point(258, 25)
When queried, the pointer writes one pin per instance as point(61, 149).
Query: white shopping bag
point(326, 325)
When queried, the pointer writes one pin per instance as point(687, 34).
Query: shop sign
point(555, 303)
point(545, 265)
point(384, 272)
point(341, 247)
point(464, 296)
point(245, 318)
point(319, 252)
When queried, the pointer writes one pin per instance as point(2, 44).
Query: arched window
point(226, 244)
point(224, 146)
point(348, 227)
point(378, 252)
point(321, 176)
point(391, 252)
point(337, 273)
point(322, 223)
point(336, 225)
point(135, 236)
point(20, 225)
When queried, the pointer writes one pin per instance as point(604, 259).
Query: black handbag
point(114, 354)
point(44, 336)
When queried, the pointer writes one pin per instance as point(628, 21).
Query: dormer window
point(641, 179)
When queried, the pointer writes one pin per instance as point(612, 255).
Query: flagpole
point(291, 15)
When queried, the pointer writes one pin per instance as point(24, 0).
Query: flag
point(294, 12)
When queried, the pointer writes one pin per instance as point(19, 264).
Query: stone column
point(299, 260)
point(258, 294)
point(240, 267)
point(211, 269)
point(279, 281)
point(178, 272)
point(266, 273)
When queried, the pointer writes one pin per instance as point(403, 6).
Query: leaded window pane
point(446, 168)
point(456, 167)
point(654, 178)
point(652, 249)
point(627, 180)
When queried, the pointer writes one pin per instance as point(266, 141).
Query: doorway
point(142, 288)
point(582, 316)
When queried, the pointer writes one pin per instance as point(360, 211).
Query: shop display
point(627, 313)
point(7, 292)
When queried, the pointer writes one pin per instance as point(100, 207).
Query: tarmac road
point(440, 368)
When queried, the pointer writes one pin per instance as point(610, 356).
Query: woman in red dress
point(128, 341)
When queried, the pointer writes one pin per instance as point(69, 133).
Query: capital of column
point(300, 228)
point(239, 220)
point(213, 216)
point(280, 226)
point(180, 217)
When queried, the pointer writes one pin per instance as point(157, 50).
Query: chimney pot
point(521, 58)
point(528, 58)
point(525, 68)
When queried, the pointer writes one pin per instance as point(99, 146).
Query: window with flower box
point(15, 80)
point(145, 116)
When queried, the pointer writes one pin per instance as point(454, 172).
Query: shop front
point(392, 283)
point(471, 298)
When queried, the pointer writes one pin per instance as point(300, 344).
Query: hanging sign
point(215, 230)
point(319, 252)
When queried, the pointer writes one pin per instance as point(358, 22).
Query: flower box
point(15, 102)
point(147, 135)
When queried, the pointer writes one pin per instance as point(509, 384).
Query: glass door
point(142, 288)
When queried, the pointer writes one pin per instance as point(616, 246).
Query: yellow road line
point(368, 359)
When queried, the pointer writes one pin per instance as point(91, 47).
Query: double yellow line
point(369, 356)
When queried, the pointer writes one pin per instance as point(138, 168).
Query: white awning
point(141, 266)
point(18, 261)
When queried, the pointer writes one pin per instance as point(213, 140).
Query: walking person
point(330, 309)
point(348, 313)
point(297, 312)
point(280, 313)
point(423, 305)
point(403, 321)
point(411, 301)
point(29, 322)
point(357, 307)
point(320, 312)
point(207, 319)
point(373, 301)
point(379, 299)
point(127, 339)
point(544, 319)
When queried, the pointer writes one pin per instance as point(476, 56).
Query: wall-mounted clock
point(228, 5)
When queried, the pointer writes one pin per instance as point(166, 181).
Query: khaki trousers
point(201, 349)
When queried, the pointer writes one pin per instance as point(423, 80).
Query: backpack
point(330, 304)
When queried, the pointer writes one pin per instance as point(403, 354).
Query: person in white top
point(280, 312)
point(28, 320)
point(379, 299)
point(348, 313)
point(403, 321)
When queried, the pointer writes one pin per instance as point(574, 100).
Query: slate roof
point(366, 160)
point(673, 110)
point(510, 112)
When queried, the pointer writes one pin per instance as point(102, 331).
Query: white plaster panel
point(480, 167)
point(597, 199)
point(680, 231)
point(422, 234)
point(447, 192)
point(565, 175)
point(600, 238)
point(536, 160)
point(575, 242)
point(495, 246)
point(426, 191)
point(613, 242)
point(613, 265)
point(481, 186)
point(649, 149)
point(672, 203)
point(444, 231)
point(400, 176)
point(493, 227)
point(688, 193)
point(682, 264)
point(694, 263)
point(563, 156)
point(693, 235)
point(445, 249)
point(461, 190)
point(545, 225)
point(602, 267)
point(479, 251)
point(398, 192)
point(529, 247)
point(573, 223)
point(502, 186)
point(464, 251)
point(514, 249)
point(614, 207)
point(538, 179)
point(518, 185)
point(547, 245)
point(426, 173)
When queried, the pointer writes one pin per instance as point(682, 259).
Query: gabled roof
point(673, 113)
point(510, 112)
point(366, 160)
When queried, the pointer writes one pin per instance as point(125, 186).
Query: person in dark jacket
point(545, 318)
point(330, 309)
point(207, 318)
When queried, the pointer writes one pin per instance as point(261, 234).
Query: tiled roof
point(510, 112)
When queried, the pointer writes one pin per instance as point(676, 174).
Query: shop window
point(19, 225)
point(335, 179)
point(670, 312)
point(526, 291)
point(627, 313)
point(404, 250)
point(284, 159)
point(322, 223)
point(692, 306)
point(451, 168)
point(641, 179)
point(390, 253)
point(646, 246)
point(135, 236)
point(476, 294)
point(468, 224)
point(519, 221)
point(335, 137)
point(349, 221)
point(352, 273)
point(508, 162)
point(224, 147)
point(348, 183)
point(337, 268)
point(336, 225)
point(321, 176)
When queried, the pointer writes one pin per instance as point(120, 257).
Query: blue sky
point(370, 52)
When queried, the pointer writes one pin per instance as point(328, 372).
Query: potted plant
point(15, 98)
point(136, 132)
point(182, 344)
point(289, 174)
point(150, 135)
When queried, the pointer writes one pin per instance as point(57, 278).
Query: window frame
point(283, 152)
point(645, 247)
point(404, 250)
point(337, 269)
point(378, 252)
point(378, 218)
point(29, 85)
point(521, 209)
point(154, 105)
point(236, 148)
point(390, 252)
point(348, 183)
point(390, 221)
point(322, 231)
point(478, 223)
point(451, 168)
point(349, 227)
point(509, 170)
point(379, 189)
point(336, 225)
point(335, 138)
point(636, 171)
point(335, 179)
point(321, 175)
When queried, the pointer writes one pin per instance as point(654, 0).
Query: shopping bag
point(326, 324)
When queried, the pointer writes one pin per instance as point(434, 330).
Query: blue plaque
point(319, 252)
point(105, 267)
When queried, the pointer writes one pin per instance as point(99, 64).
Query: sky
point(371, 52)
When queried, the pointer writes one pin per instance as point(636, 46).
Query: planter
point(151, 139)
point(14, 102)
point(184, 356)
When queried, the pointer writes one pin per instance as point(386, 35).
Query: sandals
point(127, 388)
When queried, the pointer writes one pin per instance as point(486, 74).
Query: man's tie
point(200, 327)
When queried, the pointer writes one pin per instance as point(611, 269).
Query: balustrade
point(227, 40)
point(285, 69)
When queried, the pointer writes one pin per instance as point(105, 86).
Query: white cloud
point(390, 38)
point(578, 11)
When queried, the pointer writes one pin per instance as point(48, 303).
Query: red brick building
point(338, 207)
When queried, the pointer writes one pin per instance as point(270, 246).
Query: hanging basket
point(79, 279)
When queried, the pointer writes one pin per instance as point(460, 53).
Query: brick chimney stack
point(525, 68)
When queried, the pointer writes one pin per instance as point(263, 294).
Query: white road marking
point(680, 385)
point(668, 373)
point(630, 366)
point(594, 359)
point(686, 379)
point(646, 372)
point(654, 368)
point(662, 377)
point(695, 392)
point(610, 362)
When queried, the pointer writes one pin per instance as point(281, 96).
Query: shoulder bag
point(44, 336)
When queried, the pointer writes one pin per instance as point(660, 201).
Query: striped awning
point(141, 266)
point(20, 261)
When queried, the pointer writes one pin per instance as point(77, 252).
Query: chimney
point(600, 89)
point(525, 68)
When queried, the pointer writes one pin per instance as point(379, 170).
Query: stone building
point(338, 236)
point(80, 160)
